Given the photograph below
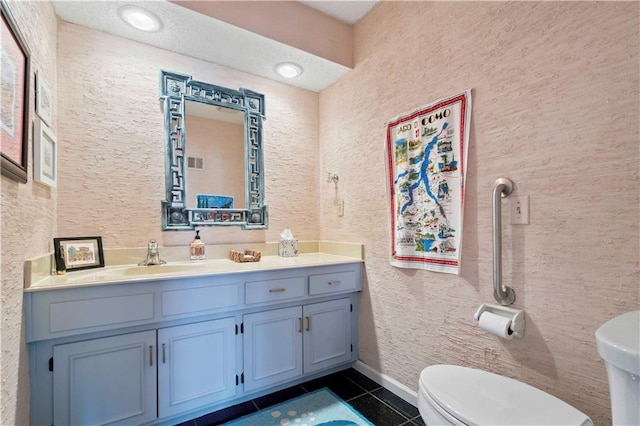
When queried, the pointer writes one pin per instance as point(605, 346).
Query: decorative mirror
point(214, 172)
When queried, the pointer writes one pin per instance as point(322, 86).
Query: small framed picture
point(45, 155)
point(44, 103)
point(79, 252)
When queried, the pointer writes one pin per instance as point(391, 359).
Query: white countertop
point(133, 273)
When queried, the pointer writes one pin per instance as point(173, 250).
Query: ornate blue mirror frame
point(175, 90)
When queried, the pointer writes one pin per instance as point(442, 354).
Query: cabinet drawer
point(274, 290)
point(199, 300)
point(100, 312)
point(332, 283)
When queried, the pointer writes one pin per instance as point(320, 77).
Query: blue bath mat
point(319, 408)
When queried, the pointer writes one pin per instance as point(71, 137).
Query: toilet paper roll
point(496, 324)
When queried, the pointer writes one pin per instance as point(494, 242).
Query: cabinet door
point(272, 347)
point(327, 337)
point(196, 365)
point(109, 380)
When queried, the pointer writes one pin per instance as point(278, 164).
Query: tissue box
point(288, 248)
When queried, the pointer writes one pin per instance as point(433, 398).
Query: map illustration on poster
point(426, 154)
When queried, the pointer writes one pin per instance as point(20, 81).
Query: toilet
point(619, 345)
point(454, 395)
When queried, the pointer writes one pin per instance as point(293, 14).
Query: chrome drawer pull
point(334, 282)
point(277, 290)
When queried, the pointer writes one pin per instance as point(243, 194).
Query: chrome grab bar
point(503, 294)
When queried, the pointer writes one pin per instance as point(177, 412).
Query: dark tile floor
point(379, 405)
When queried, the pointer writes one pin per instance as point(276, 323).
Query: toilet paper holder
point(515, 315)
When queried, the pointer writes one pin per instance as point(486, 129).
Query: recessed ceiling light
point(289, 69)
point(140, 19)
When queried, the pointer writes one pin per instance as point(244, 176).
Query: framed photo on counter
point(79, 252)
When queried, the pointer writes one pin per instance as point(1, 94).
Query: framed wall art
point(45, 154)
point(14, 92)
point(79, 252)
point(44, 102)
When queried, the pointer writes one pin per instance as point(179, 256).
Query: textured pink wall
point(112, 143)
point(555, 108)
point(27, 217)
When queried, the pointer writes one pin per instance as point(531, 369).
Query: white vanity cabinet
point(327, 334)
point(109, 380)
point(196, 365)
point(272, 347)
point(283, 344)
point(164, 351)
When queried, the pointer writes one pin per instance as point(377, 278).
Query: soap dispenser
point(197, 248)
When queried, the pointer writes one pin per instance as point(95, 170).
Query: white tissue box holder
point(515, 315)
point(288, 248)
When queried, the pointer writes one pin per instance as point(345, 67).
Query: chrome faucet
point(153, 255)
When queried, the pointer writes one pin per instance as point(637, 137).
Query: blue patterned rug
point(319, 408)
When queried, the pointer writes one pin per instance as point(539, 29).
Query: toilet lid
point(477, 397)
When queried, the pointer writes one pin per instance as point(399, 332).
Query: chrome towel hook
point(502, 187)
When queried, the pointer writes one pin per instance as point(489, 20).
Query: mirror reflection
point(215, 157)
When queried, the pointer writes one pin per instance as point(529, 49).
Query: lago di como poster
point(426, 156)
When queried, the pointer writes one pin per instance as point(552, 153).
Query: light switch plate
point(519, 210)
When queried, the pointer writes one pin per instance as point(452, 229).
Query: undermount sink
point(161, 269)
point(139, 271)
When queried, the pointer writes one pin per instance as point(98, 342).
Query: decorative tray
point(245, 256)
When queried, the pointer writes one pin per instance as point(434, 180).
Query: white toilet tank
point(619, 345)
point(454, 395)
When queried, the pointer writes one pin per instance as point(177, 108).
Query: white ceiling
point(188, 32)
point(346, 11)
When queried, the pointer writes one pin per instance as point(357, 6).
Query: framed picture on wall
point(79, 252)
point(45, 154)
point(44, 102)
point(14, 92)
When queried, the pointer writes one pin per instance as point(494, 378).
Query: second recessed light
point(289, 69)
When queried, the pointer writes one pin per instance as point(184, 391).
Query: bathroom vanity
point(121, 345)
